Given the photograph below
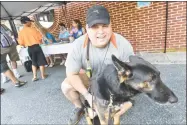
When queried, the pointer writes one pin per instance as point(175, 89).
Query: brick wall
point(143, 27)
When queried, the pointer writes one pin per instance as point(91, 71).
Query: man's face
point(99, 34)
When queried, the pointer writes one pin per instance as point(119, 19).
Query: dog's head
point(144, 77)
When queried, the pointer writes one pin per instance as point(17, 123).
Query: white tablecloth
point(56, 48)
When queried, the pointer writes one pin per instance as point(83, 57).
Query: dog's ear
point(123, 68)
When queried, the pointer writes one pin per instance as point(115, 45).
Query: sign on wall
point(143, 4)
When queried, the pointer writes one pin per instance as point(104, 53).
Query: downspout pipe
point(166, 29)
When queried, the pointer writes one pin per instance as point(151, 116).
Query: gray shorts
point(12, 52)
point(4, 65)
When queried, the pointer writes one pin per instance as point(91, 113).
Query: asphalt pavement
point(42, 102)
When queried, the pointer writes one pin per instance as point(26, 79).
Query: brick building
point(144, 27)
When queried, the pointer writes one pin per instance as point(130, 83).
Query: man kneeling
point(102, 43)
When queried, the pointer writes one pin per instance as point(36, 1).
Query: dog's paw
point(132, 101)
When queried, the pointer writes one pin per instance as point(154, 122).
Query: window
point(46, 19)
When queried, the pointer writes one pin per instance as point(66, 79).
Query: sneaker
point(20, 83)
point(76, 116)
point(46, 65)
point(2, 90)
point(62, 63)
point(5, 80)
point(51, 65)
point(18, 76)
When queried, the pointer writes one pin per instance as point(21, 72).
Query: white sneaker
point(4, 79)
point(51, 65)
point(46, 65)
point(17, 75)
point(63, 62)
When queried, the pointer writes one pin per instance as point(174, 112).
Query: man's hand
point(89, 98)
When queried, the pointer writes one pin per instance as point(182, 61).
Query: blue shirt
point(51, 37)
point(77, 34)
point(64, 35)
point(6, 40)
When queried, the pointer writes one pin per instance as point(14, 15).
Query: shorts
point(4, 65)
point(12, 52)
point(37, 56)
point(85, 80)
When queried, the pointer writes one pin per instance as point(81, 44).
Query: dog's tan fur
point(115, 114)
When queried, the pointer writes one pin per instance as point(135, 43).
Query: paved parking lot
point(42, 102)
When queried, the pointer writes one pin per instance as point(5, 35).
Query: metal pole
point(166, 30)
point(14, 30)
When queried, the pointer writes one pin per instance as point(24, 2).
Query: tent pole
point(14, 30)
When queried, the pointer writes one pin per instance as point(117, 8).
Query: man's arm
point(73, 65)
point(77, 83)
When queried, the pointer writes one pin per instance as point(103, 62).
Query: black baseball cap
point(25, 19)
point(97, 14)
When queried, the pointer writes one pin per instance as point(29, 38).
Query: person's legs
point(34, 70)
point(13, 54)
point(42, 70)
point(14, 64)
point(14, 80)
point(33, 55)
point(11, 76)
point(14, 69)
point(70, 93)
point(51, 61)
point(48, 61)
point(4, 79)
point(41, 61)
point(63, 60)
point(8, 73)
point(73, 96)
point(4, 67)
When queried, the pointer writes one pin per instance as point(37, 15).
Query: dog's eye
point(144, 85)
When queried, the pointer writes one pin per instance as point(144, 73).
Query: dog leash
point(89, 69)
point(110, 107)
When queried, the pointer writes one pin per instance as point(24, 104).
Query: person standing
point(32, 38)
point(48, 38)
point(9, 48)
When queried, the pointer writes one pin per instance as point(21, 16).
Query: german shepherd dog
point(124, 80)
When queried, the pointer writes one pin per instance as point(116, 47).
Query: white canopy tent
point(14, 10)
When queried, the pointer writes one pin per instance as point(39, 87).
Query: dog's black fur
point(140, 71)
point(140, 77)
